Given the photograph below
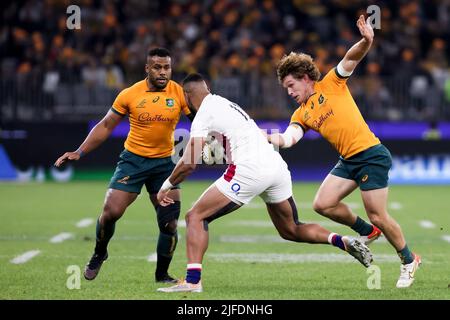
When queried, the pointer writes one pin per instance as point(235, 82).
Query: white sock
point(330, 237)
point(194, 266)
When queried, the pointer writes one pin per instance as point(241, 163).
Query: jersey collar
point(307, 100)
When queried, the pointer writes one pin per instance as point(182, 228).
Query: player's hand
point(365, 28)
point(68, 156)
point(163, 198)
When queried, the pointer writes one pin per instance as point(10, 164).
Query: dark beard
point(156, 85)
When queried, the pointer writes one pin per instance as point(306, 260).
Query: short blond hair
point(297, 65)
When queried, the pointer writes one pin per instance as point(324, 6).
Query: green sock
point(165, 249)
point(103, 234)
point(362, 227)
point(406, 256)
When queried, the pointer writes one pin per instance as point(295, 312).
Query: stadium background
point(57, 83)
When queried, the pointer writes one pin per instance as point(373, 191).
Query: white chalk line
point(61, 237)
point(394, 205)
point(83, 223)
point(426, 224)
point(25, 257)
point(152, 257)
point(268, 239)
point(250, 257)
point(251, 239)
point(296, 258)
point(268, 223)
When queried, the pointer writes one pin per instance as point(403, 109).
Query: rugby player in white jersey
point(255, 169)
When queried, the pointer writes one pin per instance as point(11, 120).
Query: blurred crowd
point(406, 75)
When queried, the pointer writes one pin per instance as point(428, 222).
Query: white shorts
point(241, 183)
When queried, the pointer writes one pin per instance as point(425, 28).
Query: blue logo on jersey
point(235, 187)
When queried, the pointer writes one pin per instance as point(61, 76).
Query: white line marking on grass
point(446, 238)
point(25, 257)
point(268, 223)
point(251, 239)
point(252, 223)
point(395, 206)
point(255, 205)
point(61, 237)
point(295, 258)
point(85, 223)
point(353, 205)
point(136, 238)
point(261, 257)
point(267, 239)
point(259, 205)
point(44, 238)
point(181, 223)
point(301, 205)
point(152, 258)
point(427, 224)
point(309, 205)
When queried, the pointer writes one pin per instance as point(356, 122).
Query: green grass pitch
point(246, 258)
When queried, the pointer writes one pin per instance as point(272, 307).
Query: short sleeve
point(297, 120)
point(120, 105)
point(333, 78)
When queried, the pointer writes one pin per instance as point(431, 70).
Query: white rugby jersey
point(247, 143)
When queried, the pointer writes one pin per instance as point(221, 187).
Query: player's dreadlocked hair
point(297, 65)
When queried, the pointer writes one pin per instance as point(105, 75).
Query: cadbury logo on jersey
point(147, 117)
point(319, 122)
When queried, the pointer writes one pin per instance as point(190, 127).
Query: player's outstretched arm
point(183, 169)
point(358, 51)
point(98, 134)
point(287, 139)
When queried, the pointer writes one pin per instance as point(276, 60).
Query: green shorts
point(369, 168)
point(132, 171)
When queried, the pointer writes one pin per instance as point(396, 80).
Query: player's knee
point(321, 206)
point(171, 227)
point(191, 216)
point(168, 217)
point(376, 218)
point(110, 213)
